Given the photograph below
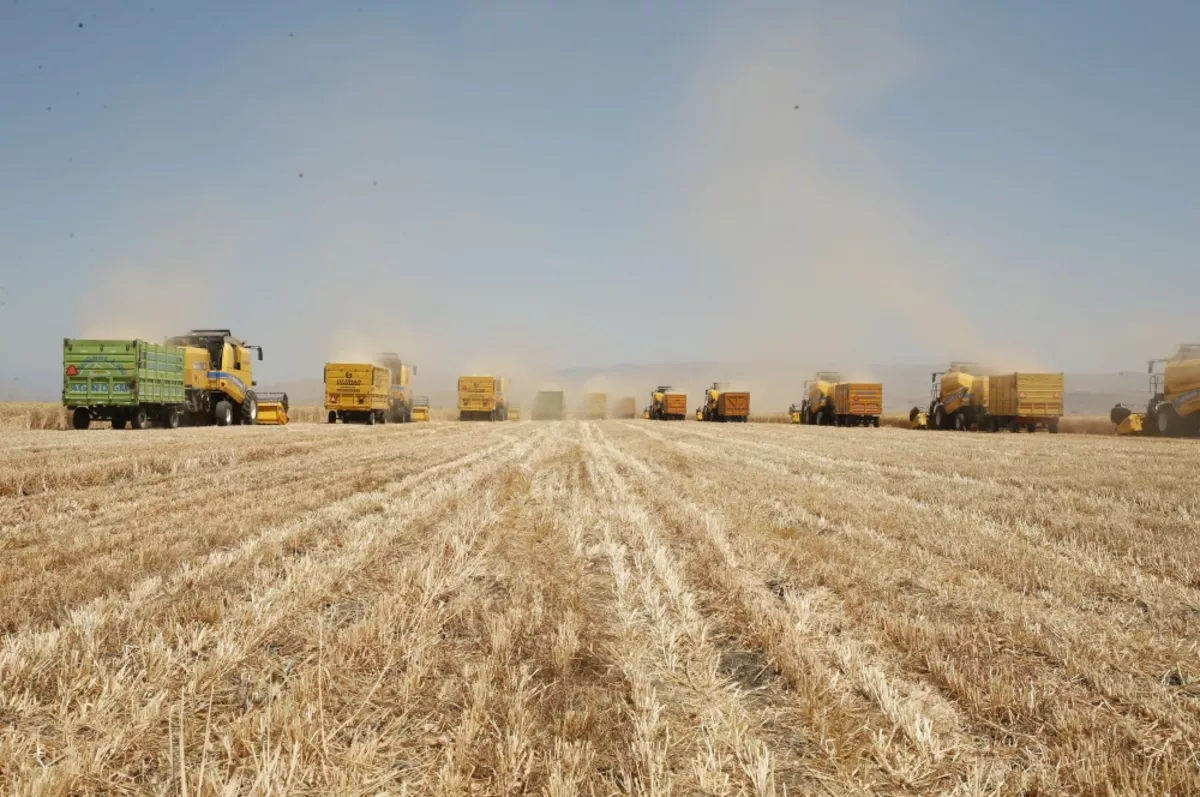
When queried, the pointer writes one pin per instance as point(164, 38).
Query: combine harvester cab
point(722, 405)
point(357, 393)
point(1174, 406)
point(482, 398)
point(858, 403)
point(818, 407)
point(667, 404)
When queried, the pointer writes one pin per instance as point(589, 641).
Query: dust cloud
point(796, 215)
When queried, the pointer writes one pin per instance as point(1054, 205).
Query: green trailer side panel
point(121, 373)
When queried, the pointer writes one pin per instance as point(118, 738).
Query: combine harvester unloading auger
point(1174, 406)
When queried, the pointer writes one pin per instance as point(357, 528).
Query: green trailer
point(124, 382)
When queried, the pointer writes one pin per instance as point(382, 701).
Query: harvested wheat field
point(619, 607)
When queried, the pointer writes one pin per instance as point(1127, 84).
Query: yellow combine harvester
point(1174, 406)
point(723, 405)
point(666, 404)
point(817, 408)
point(964, 398)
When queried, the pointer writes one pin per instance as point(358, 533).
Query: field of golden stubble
point(622, 607)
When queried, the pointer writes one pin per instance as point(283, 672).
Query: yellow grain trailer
point(357, 393)
point(482, 398)
point(420, 408)
point(857, 403)
point(1023, 401)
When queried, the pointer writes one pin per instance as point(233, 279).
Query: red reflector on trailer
point(72, 370)
point(1021, 394)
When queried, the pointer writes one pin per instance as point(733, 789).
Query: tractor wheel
point(224, 413)
point(81, 418)
point(369, 420)
point(1052, 427)
point(1013, 426)
point(939, 418)
point(1166, 420)
point(141, 418)
point(171, 419)
point(1031, 427)
point(119, 421)
point(875, 421)
point(250, 408)
point(332, 417)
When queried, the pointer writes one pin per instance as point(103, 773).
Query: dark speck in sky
point(81, 24)
point(47, 107)
point(302, 174)
point(374, 182)
point(797, 107)
point(72, 235)
point(291, 35)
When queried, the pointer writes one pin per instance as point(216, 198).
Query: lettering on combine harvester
point(349, 381)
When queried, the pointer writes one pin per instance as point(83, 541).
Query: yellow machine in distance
point(723, 405)
point(1174, 406)
point(400, 399)
point(667, 404)
point(482, 398)
point(357, 393)
point(796, 413)
point(817, 408)
point(218, 377)
point(857, 403)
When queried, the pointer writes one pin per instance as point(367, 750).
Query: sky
point(511, 187)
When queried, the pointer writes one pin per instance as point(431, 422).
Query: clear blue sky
point(487, 184)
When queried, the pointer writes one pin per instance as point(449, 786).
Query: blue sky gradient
point(524, 185)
